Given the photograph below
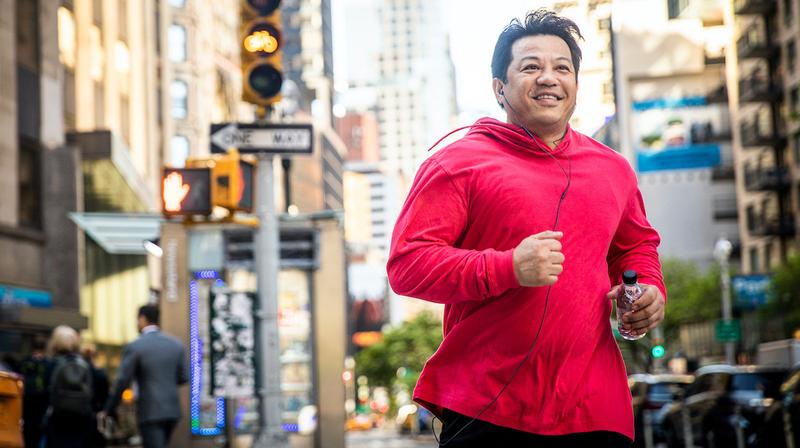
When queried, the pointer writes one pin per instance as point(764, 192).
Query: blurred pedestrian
point(69, 416)
point(158, 364)
point(35, 370)
point(522, 229)
point(100, 383)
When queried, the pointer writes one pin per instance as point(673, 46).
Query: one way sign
point(256, 138)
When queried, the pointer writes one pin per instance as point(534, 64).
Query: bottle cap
point(629, 277)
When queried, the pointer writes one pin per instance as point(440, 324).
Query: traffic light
point(261, 42)
point(186, 191)
point(232, 182)
point(658, 351)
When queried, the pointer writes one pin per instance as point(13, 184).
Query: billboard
point(676, 134)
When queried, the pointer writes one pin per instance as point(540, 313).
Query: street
point(387, 438)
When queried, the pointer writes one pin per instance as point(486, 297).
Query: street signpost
point(266, 140)
point(262, 138)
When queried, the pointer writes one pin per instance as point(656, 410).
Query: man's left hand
point(648, 310)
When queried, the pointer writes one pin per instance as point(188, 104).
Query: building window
point(99, 105)
point(97, 12)
point(751, 218)
point(787, 12)
point(30, 199)
point(125, 118)
point(122, 17)
point(791, 55)
point(178, 150)
point(66, 37)
point(604, 24)
point(767, 256)
point(796, 142)
point(754, 263)
point(177, 43)
point(794, 102)
point(179, 92)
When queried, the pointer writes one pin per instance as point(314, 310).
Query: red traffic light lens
point(264, 7)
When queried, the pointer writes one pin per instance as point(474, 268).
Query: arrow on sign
point(262, 138)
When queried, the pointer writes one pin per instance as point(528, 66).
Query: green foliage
point(408, 346)
point(693, 296)
point(786, 289)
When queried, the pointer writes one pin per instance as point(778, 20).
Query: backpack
point(71, 391)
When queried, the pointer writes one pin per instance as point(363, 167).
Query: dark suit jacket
point(158, 364)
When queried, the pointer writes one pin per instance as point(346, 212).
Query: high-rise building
point(763, 85)
point(677, 140)
point(595, 105)
point(416, 99)
point(40, 176)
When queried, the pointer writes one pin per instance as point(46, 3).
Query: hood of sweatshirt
point(514, 137)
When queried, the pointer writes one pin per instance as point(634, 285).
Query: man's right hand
point(538, 259)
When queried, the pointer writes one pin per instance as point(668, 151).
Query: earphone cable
point(568, 175)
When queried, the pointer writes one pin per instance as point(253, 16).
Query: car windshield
point(756, 385)
point(665, 391)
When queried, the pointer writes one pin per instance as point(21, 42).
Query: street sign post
point(262, 138)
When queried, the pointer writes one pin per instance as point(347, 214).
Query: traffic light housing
point(261, 43)
point(186, 191)
point(232, 182)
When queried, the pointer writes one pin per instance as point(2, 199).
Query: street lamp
point(722, 253)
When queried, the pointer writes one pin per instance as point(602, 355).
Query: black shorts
point(486, 435)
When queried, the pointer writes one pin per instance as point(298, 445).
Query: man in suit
point(157, 363)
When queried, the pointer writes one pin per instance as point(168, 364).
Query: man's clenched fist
point(538, 259)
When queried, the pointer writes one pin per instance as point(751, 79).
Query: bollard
point(647, 420)
point(737, 412)
point(788, 432)
point(688, 437)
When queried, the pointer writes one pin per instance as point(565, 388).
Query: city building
point(416, 95)
point(678, 141)
point(595, 106)
point(763, 86)
point(40, 248)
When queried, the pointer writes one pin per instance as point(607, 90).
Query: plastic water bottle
point(628, 294)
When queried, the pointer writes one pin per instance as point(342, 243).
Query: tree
point(693, 296)
point(407, 346)
point(786, 301)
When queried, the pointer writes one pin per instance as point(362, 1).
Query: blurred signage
point(251, 138)
point(751, 291)
point(232, 344)
point(676, 134)
point(10, 295)
point(729, 331)
point(367, 338)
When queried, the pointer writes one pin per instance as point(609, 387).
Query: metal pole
point(727, 316)
point(267, 258)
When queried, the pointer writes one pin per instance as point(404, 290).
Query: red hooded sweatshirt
point(470, 205)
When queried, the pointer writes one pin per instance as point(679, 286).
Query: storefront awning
point(120, 233)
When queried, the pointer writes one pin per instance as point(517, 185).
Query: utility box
point(783, 353)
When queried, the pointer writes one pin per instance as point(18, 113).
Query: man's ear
point(497, 86)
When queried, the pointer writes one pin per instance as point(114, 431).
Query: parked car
point(653, 395)
point(782, 420)
point(725, 404)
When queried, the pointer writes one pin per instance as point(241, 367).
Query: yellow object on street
point(10, 410)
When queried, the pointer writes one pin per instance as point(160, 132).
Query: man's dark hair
point(537, 23)
point(150, 313)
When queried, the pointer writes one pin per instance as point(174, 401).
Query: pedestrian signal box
point(261, 42)
point(232, 182)
point(186, 191)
